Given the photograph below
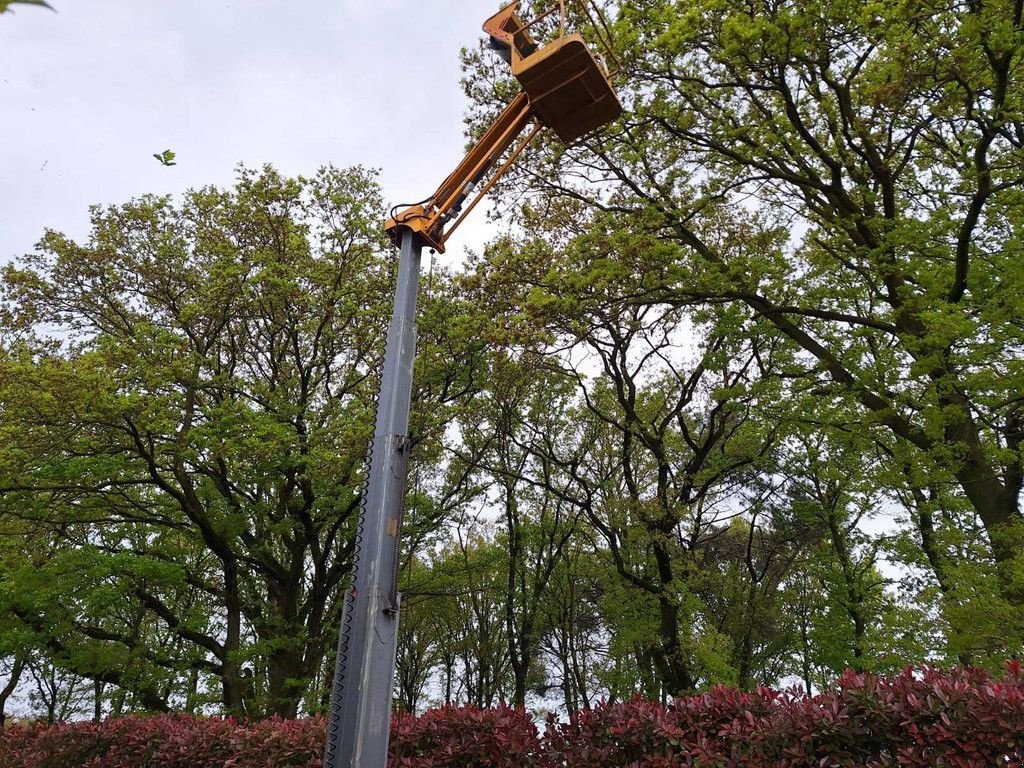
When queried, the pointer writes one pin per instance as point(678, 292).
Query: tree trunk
point(232, 685)
point(97, 700)
point(855, 597)
point(287, 680)
point(669, 657)
point(17, 667)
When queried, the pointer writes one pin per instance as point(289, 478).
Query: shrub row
point(448, 737)
point(165, 741)
point(959, 718)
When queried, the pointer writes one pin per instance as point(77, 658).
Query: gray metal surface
point(360, 713)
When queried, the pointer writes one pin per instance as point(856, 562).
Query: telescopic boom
point(568, 90)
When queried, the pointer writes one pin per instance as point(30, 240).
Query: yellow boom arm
point(564, 87)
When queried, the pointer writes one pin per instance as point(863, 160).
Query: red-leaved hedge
point(466, 737)
point(958, 718)
point(165, 741)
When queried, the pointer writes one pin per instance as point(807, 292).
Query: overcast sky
point(89, 93)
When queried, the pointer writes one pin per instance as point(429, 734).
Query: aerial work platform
point(567, 89)
point(568, 86)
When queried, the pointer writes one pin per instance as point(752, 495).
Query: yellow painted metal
point(565, 87)
point(429, 218)
point(568, 88)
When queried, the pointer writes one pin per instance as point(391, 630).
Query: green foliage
point(186, 403)
point(740, 400)
point(806, 228)
point(165, 158)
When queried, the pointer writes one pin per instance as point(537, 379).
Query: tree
point(501, 431)
point(661, 434)
point(848, 176)
point(743, 566)
point(889, 142)
point(58, 694)
point(467, 580)
point(186, 401)
point(420, 638)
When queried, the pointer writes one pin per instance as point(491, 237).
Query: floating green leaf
point(166, 157)
point(5, 5)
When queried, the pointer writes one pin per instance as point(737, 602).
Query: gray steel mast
point(360, 712)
